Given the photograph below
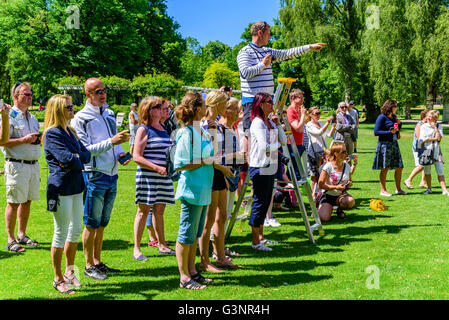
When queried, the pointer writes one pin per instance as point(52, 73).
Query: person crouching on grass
point(334, 181)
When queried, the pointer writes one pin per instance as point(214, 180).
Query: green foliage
point(218, 75)
point(163, 85)
point(114, 38)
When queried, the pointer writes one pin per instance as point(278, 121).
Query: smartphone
point(1, 104)
point(38, 140)
point(396, 126)
point(127, 157)
point(351, 157)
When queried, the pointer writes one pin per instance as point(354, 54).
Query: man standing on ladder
point(255, 70)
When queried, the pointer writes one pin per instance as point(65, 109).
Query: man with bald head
point(96, 128)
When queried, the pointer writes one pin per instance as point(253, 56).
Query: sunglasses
point(268, 101)
point(100, 91)
point(158, 106)
point(69, 108)
point(317, 113)
point(344, 152)
point(25, 94)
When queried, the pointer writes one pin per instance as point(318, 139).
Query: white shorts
point(22, 182)
point(438, 167)
point(415, 156)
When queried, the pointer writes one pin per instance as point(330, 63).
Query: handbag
point(426, 156)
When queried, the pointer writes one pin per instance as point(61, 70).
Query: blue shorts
point(191, 222)
point(99, 196)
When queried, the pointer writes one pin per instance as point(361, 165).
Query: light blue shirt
point(194, 186)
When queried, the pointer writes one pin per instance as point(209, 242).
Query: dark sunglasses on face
point(269, 101)
point(25, 94)
point(158, 106)
point(69, 108)
point(317, 113)
point(100, 91)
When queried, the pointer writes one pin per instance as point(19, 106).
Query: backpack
point(172, 173)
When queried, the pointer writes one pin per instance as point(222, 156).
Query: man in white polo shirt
point(22, 172)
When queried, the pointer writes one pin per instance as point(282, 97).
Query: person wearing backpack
point(153, 187)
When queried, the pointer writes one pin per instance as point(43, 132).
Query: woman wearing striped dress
point(153, 187)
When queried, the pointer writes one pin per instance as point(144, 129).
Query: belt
point(21, 161)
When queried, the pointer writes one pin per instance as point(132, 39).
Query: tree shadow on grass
point(116, 245)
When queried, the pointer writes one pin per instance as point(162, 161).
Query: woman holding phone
point(388, 154)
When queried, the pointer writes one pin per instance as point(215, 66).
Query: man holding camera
point(96, 128)
point(22, 172)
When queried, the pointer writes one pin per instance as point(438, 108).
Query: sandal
point(229, 252)
point(28, 242)
point(209, 268)
point(227, 264)
point(71, 281)
point(13, 246)
point(57, 284)
point(192, 285)
point(341, 214)
point(200, 279)
point(153, 243)
point(215, 257)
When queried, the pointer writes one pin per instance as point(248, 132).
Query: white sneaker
point(267, 223)
point(274, 223)
point(445, 193)
point(260, 247)
point(266, 241)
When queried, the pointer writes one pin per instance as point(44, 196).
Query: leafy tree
point(218, 75)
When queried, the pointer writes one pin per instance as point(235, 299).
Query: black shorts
point(219, 182)
point(326, 198)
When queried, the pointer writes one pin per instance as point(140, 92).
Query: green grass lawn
point(407, 244)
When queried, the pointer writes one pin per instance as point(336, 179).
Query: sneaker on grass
point(260, 247)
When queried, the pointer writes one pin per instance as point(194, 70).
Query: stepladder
point(296, 181)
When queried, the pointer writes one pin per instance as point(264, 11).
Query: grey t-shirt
point(20, 126)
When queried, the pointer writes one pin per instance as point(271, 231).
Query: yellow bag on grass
point(377, 205)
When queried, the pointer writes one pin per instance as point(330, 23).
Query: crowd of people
point(216, 142)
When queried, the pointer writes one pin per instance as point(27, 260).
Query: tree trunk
point(408, 112)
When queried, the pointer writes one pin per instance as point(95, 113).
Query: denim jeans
point(99, 197)
point(262, 192)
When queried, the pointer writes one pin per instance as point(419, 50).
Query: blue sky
point(225, 20)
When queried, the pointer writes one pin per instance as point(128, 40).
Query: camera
point(283, 159)
point(226, 89)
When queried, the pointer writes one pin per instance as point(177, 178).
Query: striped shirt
point(255, 77)
point(151, 187)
